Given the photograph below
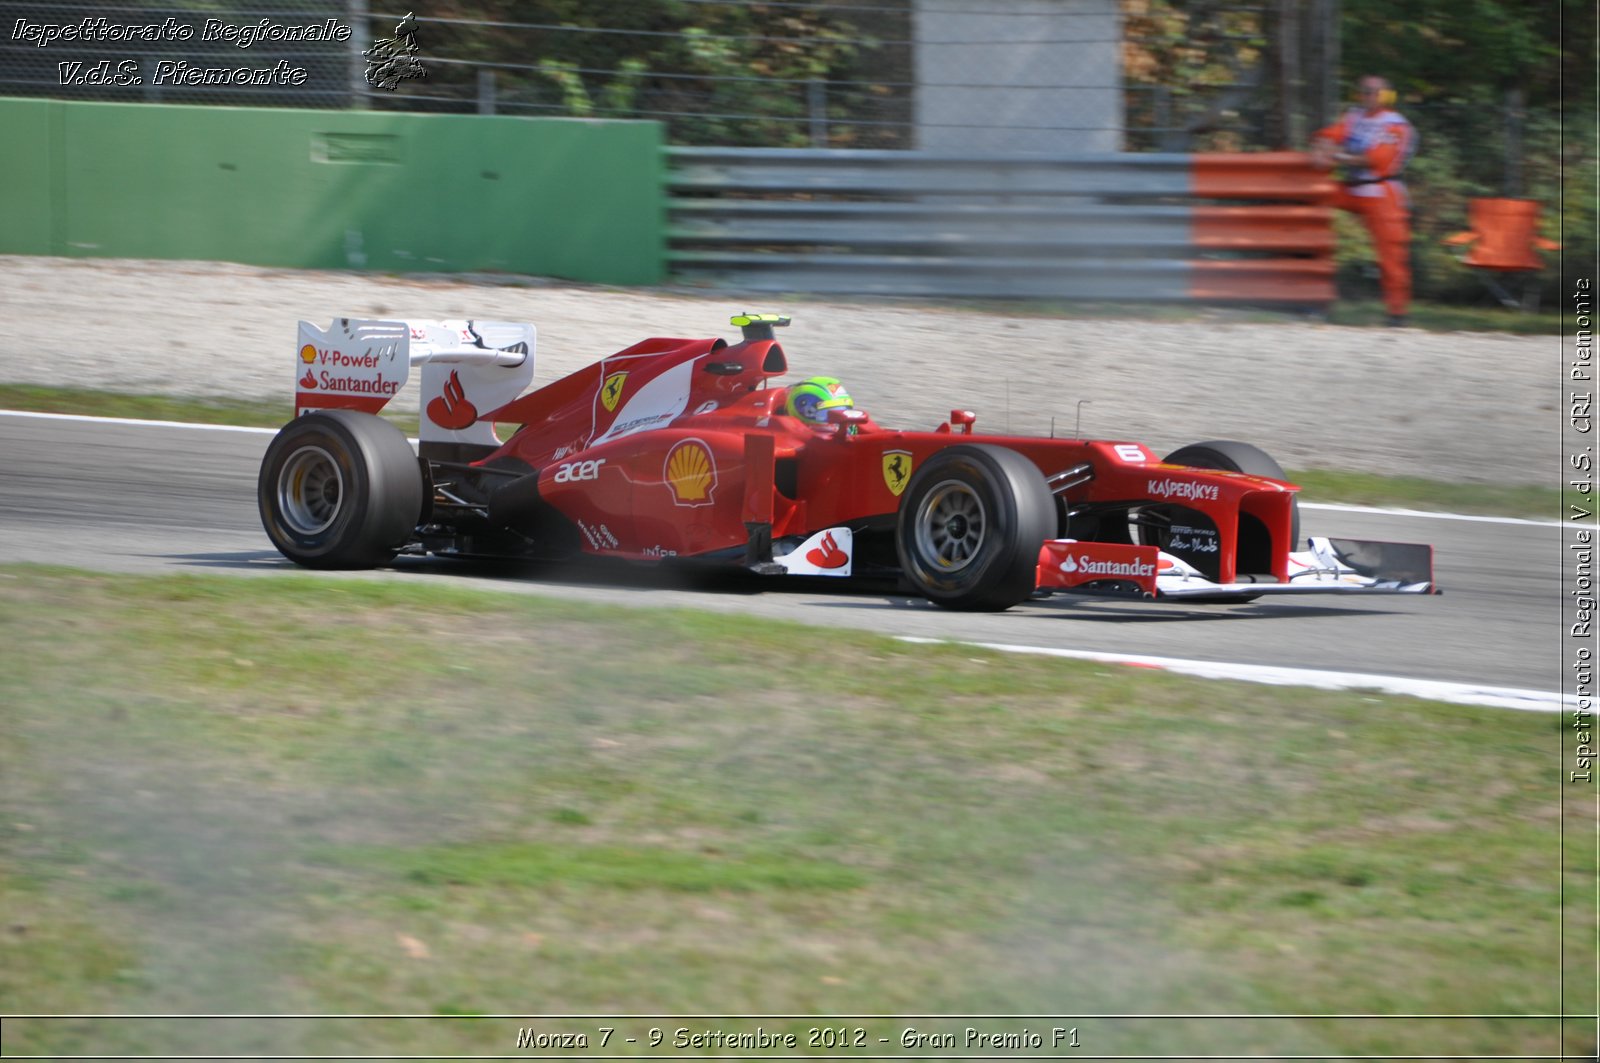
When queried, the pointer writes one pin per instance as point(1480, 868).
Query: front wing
point(1326, 566)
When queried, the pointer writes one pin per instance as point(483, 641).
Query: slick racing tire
point(339, 489)
point(1231, 456)
point(971, 523)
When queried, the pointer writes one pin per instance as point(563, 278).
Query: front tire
point(339, 489)
point(1232, 456)
point(971, 524)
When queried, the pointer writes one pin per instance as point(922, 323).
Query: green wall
point(556, 197)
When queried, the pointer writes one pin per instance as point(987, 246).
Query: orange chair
point(1504, 234)
point(1504, 239)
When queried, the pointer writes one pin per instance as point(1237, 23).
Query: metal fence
point(808, 73)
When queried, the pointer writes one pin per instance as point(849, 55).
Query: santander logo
point(827, 554)
point(451, 409)
point(1088, 566)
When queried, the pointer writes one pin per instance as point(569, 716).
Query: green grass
point(193, 410)
point(88, 402)
point(1450, 317)
point(316, 795)
point(526, 864)
point(1320, 485)
point(1357, 488)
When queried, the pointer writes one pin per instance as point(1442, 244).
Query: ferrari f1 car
point(683, 449)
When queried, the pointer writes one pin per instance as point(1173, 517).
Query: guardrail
point(1202, 228)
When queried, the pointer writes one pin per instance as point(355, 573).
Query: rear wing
point(469, 368)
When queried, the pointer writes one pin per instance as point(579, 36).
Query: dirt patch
point(1474, 407)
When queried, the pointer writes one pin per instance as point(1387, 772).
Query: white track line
point(1276, 675)
point(137, 422)
point(1344, 508)
point(1304, 505)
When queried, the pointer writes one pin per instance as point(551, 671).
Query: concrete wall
point(1018, 76)
point(384, 191)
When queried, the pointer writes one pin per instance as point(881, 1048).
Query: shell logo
point(308, 354)
point(690, 473)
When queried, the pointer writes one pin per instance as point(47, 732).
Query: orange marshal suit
point(1385, 142)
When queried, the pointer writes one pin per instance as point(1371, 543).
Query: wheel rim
point(310, 488)
point(950, 525)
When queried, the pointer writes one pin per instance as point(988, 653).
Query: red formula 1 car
point(684, 448)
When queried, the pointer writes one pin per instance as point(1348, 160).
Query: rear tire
point(971, 523)
point(339, 489)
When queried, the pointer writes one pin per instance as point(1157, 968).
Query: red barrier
point(1277, 175)
point(1302, 281)
point(1281, 246)
point(1300, 230)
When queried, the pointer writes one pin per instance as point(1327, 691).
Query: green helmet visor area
point(812, 399)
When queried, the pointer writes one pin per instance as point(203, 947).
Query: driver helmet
point(810, 400)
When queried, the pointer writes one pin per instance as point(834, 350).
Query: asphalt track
point(152, 498)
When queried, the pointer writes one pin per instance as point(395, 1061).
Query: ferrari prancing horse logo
point(611, 391)
point(896, 470)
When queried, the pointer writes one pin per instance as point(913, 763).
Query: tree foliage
point(1471, 49)
point(1501, 94)
point(1188, 64)
point(714, 72)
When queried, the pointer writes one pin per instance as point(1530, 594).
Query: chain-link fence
point(711, 75)
point(794, 73)
point(828, 74)
point(1034, 74)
